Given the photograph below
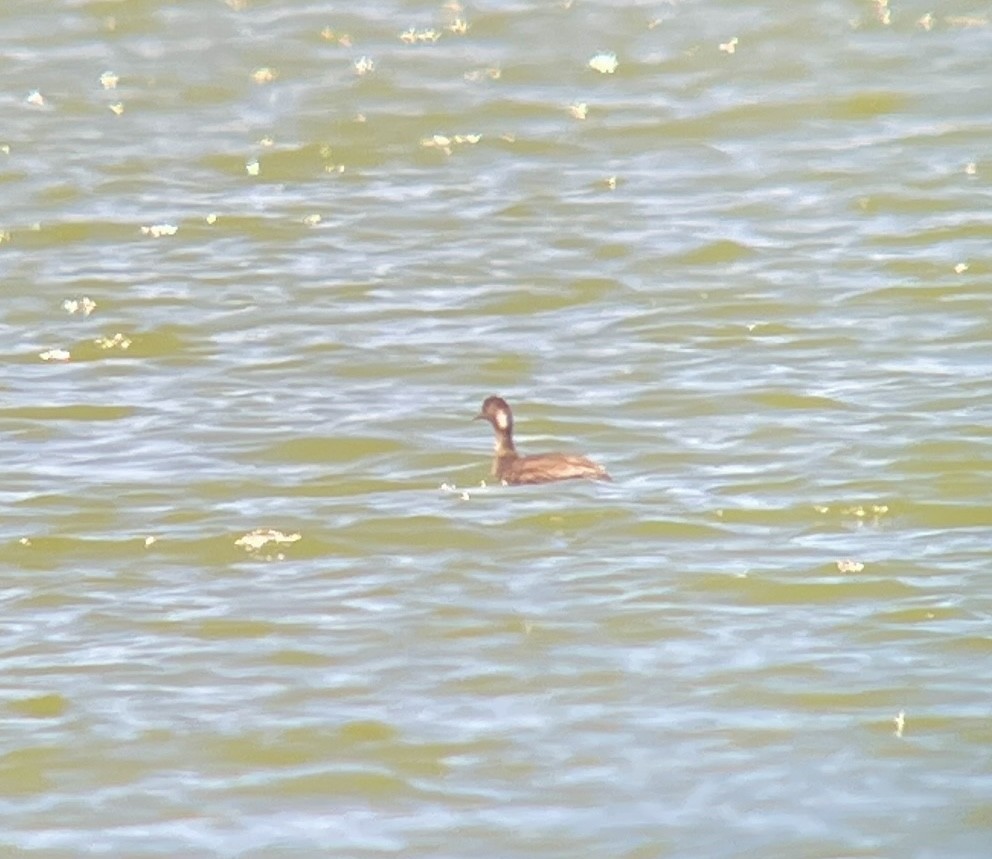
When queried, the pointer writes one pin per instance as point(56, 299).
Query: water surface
point(749, 277)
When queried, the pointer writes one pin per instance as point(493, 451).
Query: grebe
point(511, 468)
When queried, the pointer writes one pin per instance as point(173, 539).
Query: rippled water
point(753, 281)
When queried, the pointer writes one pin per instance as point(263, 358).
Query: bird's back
point(547, 468)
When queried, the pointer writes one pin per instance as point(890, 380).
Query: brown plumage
point(510, 467)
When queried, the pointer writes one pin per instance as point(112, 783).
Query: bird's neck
point(504, 444)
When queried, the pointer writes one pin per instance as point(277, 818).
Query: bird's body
point(509, 467)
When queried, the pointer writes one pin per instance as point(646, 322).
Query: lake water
point(260, 264)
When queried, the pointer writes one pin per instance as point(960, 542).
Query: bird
point(511, 469)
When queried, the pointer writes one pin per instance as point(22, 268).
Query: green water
point(754, 285)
